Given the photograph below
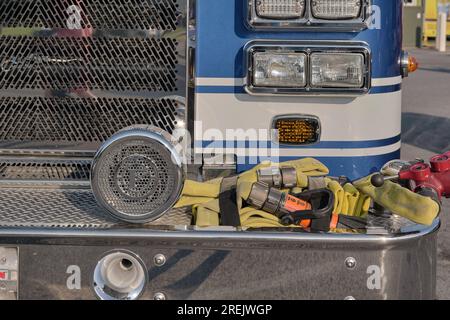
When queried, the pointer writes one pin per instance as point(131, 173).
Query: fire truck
point(91, 92)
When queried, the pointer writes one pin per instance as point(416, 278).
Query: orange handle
point(293, 204)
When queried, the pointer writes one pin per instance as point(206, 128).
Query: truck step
point(66, 208)
point(55, 193)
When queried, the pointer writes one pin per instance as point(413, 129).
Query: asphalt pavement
point(426, 132)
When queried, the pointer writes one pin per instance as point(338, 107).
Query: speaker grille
point(80, 120)
point(96, 14)
point(88, 63)
point(136, 176)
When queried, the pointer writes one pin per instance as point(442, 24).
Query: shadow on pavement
point(426, 132)
point(441, 70)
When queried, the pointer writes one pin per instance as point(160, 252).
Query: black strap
point(229, 212)
point(321, 225)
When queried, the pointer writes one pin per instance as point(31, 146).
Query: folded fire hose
point(292, 199)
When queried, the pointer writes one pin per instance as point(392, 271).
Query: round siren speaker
point(138, 175)
point(120, 275)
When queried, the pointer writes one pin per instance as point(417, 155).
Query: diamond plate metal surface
point(66, 208)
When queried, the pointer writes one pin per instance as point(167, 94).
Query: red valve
point(434, 177)
point(441, 163)
point(417, 172)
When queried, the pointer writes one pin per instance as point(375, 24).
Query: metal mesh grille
point(88, 64)
point(72, 74)
point(96, 14)
point(66, 209)
point(79, 120)
point(61, 170)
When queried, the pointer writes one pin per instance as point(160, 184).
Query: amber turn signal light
point(408, 64)
point(297, 130)
point(413, 64)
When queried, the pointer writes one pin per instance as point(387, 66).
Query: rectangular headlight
point(279, 69)
point(337, 70)
point(336, 9)
point(280, 9)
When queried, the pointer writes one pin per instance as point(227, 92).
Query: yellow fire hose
point(351, 200)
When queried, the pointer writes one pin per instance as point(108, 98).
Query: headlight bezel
point(308, 48)
point(307, 21)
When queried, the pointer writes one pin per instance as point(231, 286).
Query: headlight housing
point(298, 67)
point(272, 69)
point(329, 15)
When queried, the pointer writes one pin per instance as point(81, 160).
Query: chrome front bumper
point(233, 264)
